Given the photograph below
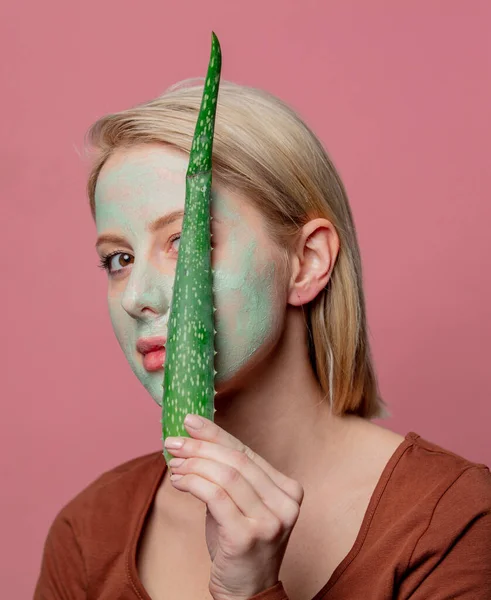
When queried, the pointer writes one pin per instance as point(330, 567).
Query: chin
point(153, 385)
point(156, 395)
point(152, 382)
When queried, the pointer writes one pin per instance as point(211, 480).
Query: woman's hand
point(251, 508)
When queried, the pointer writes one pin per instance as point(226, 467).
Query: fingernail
point(175, 477)
point(176, 462)
point(193, 421)
point(173, 443)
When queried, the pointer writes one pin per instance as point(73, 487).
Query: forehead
point(139, 184)
point(140, 180)
point(148, 163)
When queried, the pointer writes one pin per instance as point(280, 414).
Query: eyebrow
point(165, 220)
point(154, 226)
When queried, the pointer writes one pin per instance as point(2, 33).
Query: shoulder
point(411, 469)
point(433, 467)
point(431, 501)
point(86, 538)
point(120, 490)
point(448, 521)
point(442, 487)
point(423, 480)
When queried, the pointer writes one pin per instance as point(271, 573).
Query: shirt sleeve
point(277, 592)
point(62, 575)
point(452, 558)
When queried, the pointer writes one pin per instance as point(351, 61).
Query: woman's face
point(139, 200)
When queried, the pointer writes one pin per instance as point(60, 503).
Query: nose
point(148, 292)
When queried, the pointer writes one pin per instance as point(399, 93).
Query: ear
point(313, 260)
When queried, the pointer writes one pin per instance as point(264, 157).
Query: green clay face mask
point(135, 188)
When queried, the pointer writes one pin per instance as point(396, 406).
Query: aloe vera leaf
point(189, 371)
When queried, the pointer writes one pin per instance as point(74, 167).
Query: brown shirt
point(426, 534)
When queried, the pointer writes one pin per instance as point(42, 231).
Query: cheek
point(246, 317)
point(117, 314)
point(247, 310)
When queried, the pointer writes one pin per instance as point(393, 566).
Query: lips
point(153, 352)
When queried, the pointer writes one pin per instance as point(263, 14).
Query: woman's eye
point(116, 262)
point(176, 241)
point(119, 261)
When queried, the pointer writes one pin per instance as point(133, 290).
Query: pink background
point(398, 92)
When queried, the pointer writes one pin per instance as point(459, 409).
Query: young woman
point(292, 492)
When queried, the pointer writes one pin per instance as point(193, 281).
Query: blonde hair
point(264, 150)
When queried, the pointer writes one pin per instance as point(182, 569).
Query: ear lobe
point(314, 259)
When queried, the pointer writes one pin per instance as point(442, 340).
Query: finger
point(222, 508)
point(211, 432)
point(275, 499)
point(231, 480)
